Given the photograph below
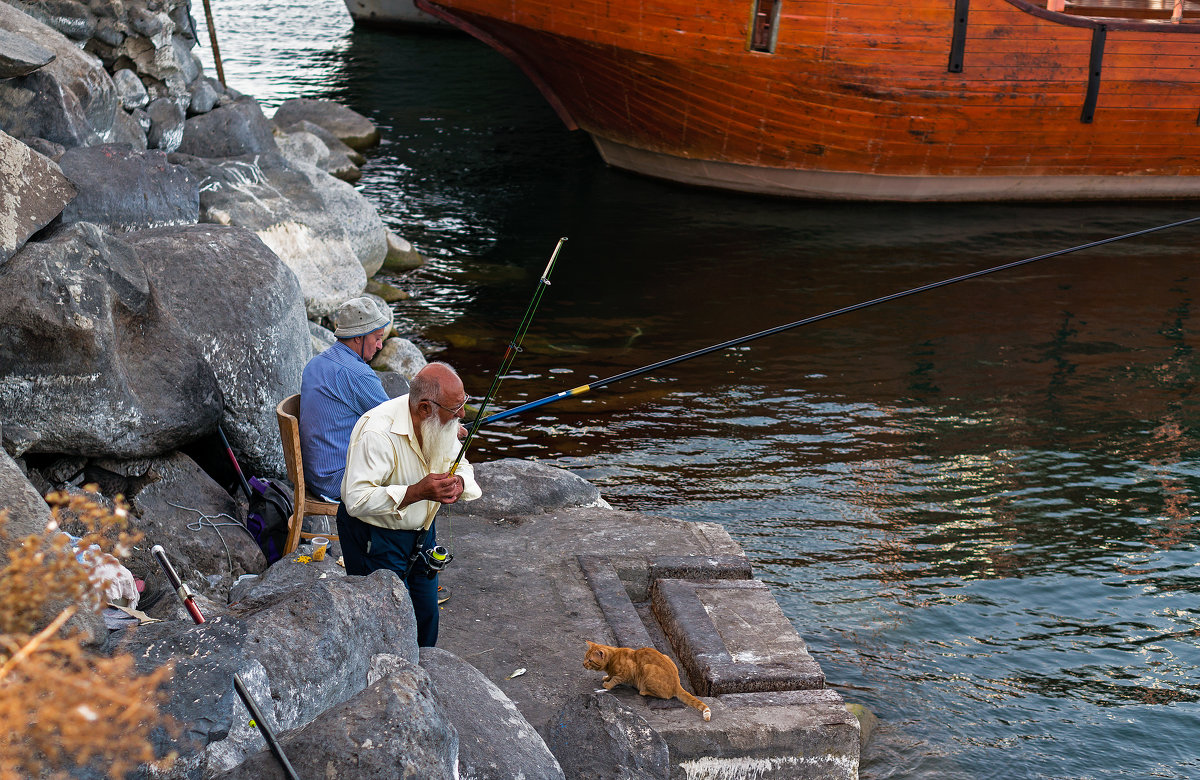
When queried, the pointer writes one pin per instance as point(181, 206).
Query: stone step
point(786, 735)
point(731, 637)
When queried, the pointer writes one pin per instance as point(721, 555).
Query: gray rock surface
point(255, 342)
point(322, 228)
point(205, 94)
point(197, 522)
point(154, 39)
point(33, 191)
point(127, 129)
point(596, 737)
point(301, 146)
point(351, 127)
point(313, 646)
point(348, 741)
point(495, 742)
point(520, 487)
point(166, 125)
point(399, 355)
point(332, 142)
point(235, 129)
point(322, 337)
point(72, 19)
point(123, 190)
point(92, 360)
point(28, 512)
point(71, 101)
point(400, 255)
point(20, 56)
point(130, 89)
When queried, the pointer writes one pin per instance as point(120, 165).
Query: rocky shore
point(168, 260)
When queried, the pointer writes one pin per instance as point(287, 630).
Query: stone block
point(787, 735)
point(732, 637)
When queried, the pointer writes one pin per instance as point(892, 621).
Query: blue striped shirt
point(337, 389)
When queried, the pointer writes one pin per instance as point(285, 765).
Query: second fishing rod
point(581, 389)
point(436, 558)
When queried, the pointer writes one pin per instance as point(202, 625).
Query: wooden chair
point(288, 413)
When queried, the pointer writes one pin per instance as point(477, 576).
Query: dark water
point(974, 504)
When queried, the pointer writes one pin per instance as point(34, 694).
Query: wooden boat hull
point(860, 98)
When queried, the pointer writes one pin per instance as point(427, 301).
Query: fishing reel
point(434, 559)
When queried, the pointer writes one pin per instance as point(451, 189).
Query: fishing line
point(817, 318)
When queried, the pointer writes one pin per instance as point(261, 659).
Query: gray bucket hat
point(359, 316)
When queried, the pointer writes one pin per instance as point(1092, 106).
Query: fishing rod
point(438, 557)
point(510, 354)
point(581, 389)
point(257, 719)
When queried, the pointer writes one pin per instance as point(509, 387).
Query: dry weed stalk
point(62, 705)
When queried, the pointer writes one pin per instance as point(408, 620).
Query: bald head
point(436, 401)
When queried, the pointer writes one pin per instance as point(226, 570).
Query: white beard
point(439, 443)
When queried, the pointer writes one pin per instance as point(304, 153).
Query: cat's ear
point(590, 643)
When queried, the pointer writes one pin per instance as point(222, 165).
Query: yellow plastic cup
point(319, 544)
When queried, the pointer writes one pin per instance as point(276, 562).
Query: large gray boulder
point(71, 100)
point(399, 355)
point(166, 124)
point(20, 56)
point(122, 190)
point(302, 653)
point(130, 89)
point(92, 360)
point(72, 19)
point(301, 146)
point(232, 130)
point(393, 729)
point(350, 127)
point(495, 742)
point(242, 308)
point(34, 193)
point(200, 525)
point(322, 228)
point(596, 737)
point(513, 487)
point(28, 512)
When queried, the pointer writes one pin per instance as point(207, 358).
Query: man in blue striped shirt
point(337, 388)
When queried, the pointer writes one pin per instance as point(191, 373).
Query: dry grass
point(62, 705)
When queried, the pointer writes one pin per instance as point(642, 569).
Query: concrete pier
point(528, 591)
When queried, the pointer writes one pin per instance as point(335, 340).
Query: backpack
point(270, 511)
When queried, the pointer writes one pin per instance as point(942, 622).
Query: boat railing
point(1148, 10)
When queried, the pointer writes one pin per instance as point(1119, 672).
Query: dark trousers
point(367, 547)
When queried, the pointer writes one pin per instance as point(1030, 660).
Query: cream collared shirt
point(383, 460)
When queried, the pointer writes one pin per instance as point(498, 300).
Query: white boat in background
point(392, 13)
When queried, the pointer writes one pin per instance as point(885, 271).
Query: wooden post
point(1051, 5)
point(212, 39)
point(1177, 13)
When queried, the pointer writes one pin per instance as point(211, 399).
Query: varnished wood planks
point(860, 86)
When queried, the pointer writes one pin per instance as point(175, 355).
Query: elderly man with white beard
point(396, 477)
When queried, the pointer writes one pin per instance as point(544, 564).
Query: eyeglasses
point(456, 409)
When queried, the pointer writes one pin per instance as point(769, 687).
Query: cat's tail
point(692, 701)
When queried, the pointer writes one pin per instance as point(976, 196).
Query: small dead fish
point(517, 673)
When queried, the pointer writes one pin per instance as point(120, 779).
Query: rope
point(206, 521)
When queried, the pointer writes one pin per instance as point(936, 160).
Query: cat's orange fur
point(651, 672)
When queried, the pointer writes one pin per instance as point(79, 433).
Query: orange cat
point(646, 669)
